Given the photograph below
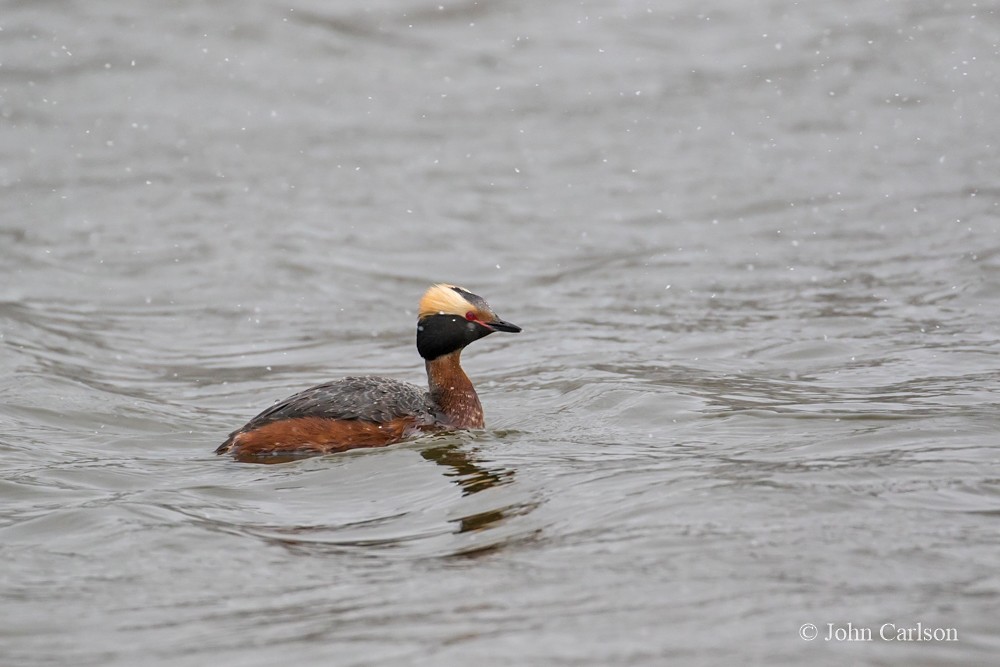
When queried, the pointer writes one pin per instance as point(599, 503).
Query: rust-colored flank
point(309, 436)
point(373, 411)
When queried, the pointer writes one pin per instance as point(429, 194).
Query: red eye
point(471, 316)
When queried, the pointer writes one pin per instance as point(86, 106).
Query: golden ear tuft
point(442, 298)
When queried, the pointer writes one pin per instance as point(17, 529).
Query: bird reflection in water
point(461, 466)
point(471, 478)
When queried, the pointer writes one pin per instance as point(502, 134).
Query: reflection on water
point(470, 476)
point(473, 478)
point(391, 529)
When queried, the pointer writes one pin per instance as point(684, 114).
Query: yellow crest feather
point(443, 299)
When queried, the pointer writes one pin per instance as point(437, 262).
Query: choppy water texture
point(754, 248)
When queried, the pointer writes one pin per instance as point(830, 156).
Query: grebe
point(374, 411)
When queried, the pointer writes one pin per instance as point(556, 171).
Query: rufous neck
point(453, 392)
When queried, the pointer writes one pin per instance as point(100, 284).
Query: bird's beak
point(500, 325)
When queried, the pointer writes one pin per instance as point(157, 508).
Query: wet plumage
point(371, 398)
point(373, 411)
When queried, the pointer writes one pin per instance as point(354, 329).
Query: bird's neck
point(453, 392)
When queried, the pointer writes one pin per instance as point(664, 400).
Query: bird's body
point(373, 411)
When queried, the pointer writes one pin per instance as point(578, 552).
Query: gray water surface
point(754, 248)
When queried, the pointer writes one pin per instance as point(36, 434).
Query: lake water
point(755, 249)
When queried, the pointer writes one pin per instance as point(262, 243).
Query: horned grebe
point(374, 411)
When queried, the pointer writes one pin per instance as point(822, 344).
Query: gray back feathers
point(370, 398)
